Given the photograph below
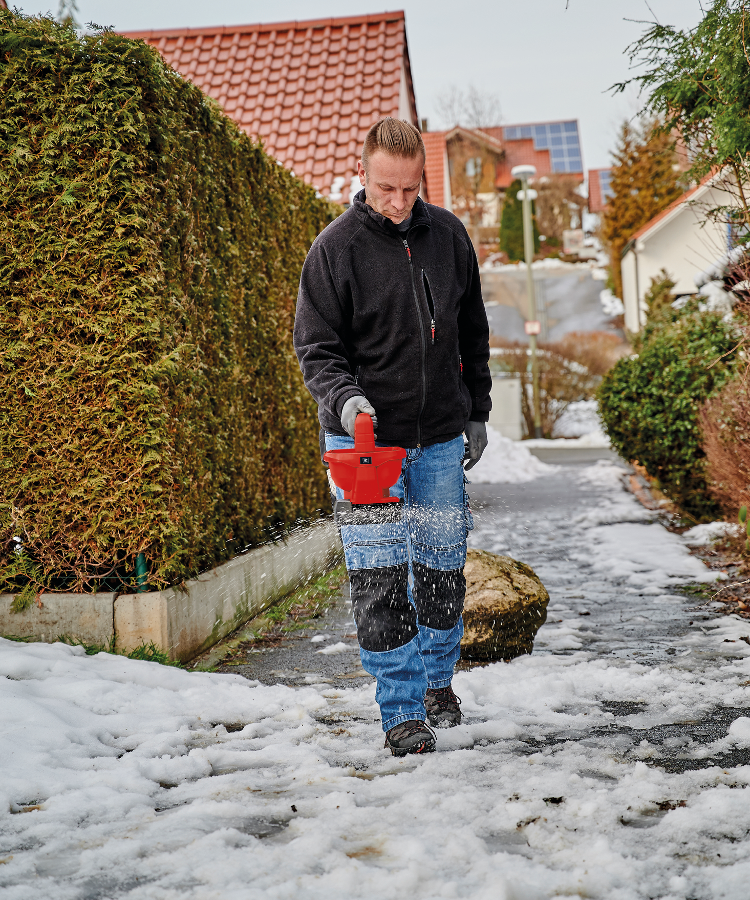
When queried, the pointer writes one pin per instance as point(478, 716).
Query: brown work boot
point(410, 737)
point(443, 707)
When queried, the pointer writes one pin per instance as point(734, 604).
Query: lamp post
point(532, 327)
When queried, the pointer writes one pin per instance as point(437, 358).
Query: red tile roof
point(309, 89)
point(519, 152)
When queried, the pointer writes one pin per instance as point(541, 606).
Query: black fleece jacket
point(398, 318)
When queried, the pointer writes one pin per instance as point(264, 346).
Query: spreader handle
point(364, 433)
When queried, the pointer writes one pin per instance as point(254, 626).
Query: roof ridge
point(677, 202)
point(291, 25)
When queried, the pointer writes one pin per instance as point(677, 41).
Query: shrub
point(649, 403)
point(725, 422)
point(149, 260)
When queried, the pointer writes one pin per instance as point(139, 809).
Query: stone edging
point(184, 622)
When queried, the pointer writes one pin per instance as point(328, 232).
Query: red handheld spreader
point(366, 474)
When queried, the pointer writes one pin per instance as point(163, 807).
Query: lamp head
point(523, 172)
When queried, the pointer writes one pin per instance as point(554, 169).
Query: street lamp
point(532, 327)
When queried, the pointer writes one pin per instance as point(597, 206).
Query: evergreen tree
point(66, 13)
point(511, 224)
point(698, 82)
point(645, 180)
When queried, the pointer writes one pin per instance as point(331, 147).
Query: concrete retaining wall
point(184, 622)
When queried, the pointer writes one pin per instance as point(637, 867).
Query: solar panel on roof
point(560, 138)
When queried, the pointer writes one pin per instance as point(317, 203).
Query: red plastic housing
point(366, 473)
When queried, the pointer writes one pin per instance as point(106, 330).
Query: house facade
point(682, 241)
point(309, 90)
point(474, 166)
point(600, 189)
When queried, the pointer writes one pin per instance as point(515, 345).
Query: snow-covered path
point(610, 764)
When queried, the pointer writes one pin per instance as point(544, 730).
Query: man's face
point(392, 184)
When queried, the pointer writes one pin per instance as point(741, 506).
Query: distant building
point(455, 158)
point(552, 147)
point(681, 240)
point(309, 90)
point(600, 189)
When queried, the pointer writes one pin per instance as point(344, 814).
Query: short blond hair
point(394, 137)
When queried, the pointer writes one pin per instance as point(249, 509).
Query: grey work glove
point(352, 408)
point(476, 434)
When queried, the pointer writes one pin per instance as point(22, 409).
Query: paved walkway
point(612, 763)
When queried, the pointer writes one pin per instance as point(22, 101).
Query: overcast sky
point(543, 61)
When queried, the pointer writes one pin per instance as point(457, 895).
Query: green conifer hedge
point(511, 224)
point(149, 260)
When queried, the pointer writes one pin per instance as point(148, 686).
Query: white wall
point(505, 415)
point(404, 100)
point(685, 244)
point(629, 291)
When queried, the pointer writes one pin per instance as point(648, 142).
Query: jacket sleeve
point(474, 342)
point(322, 325)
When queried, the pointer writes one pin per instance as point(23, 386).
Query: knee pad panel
point(438, 596)
point(385, 618)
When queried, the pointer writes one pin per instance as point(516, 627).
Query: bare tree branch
point(472, 108)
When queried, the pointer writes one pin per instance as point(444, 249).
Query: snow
point(611, 305)
point(507, 462)
point(338, 647)
point(579, 418)
point(708, 532)
point(593, 439)
point(125, 778)
point(716, 299)
point(539, 265)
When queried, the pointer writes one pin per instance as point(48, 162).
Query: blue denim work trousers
point(407, 580)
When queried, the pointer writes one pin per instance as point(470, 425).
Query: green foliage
point(148, 652)
point(21, 569)
point(649, 403)
point(511, 224)
point(149, 260)
point(742, 515)
point(698, 82)
point(151, 653)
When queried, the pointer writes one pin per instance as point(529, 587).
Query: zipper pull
point(460, 364)
point(408, 251)
point(432, 327)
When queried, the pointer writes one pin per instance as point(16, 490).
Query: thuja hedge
point(149, 259)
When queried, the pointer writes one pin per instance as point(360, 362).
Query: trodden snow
point(611, 763)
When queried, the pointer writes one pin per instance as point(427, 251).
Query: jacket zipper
point(430, 303)
point(356, 375)
point(421, 338)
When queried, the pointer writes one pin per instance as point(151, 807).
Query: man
point(390, 322)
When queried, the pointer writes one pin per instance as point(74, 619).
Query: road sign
point(532, 327)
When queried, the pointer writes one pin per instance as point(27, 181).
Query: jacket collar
point(419, 215)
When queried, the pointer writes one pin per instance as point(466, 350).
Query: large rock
point(506, 604)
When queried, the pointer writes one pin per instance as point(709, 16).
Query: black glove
point(352, 408)
point(476, 434)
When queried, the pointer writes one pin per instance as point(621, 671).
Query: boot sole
point(424, 747)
